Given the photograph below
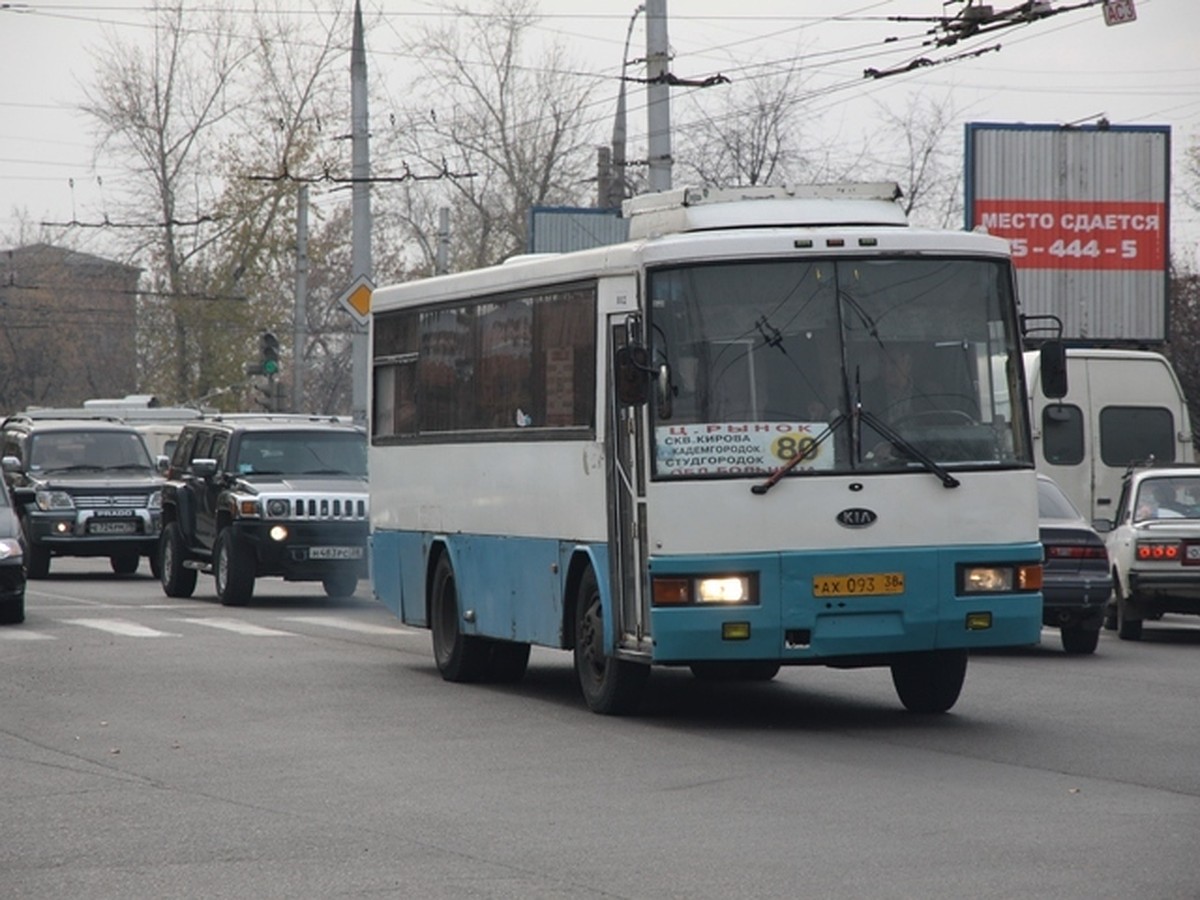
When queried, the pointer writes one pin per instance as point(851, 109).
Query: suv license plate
point(112, 527)
point(335, 552)
point(865, 584)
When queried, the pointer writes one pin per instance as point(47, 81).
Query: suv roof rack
point(45, 414)
point(298, 418)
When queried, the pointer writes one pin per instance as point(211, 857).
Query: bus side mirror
point(1054, 370)
point(664, 391)
point(632, 363)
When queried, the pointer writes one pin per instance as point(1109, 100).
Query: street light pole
point(617, 185)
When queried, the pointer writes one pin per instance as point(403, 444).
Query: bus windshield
point(880, 363)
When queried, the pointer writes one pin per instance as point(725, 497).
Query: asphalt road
point(302, 747)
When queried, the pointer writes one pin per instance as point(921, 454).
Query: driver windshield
point(303, 453)
point(889, 363)
point(64, 450)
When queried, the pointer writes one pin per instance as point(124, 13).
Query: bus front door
point(627, 502)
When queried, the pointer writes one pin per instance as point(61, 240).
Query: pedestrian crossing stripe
point(238, 626)
point(121, 627)
point(127, 628)
point(349, 625)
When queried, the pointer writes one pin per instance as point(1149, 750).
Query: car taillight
point(1158, 551)
point(1075, 551)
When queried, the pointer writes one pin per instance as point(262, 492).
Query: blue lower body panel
point(512, 587)
point(790, 623)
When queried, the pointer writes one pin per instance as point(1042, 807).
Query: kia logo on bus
point(856, 517)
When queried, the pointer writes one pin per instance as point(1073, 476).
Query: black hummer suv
point(250, 496)
point(82, 487)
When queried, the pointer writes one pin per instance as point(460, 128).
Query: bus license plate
point(335, 552)
point(112, 527)
point(862, 585)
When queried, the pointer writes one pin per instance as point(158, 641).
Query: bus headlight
point(684, 590)
point(1000, 579)
point(733, 589)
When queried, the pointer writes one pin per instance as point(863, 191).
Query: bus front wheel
point(460, 657)
point(611, 686)
point(930, 682)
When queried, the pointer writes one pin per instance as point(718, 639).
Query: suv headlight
point(154, 501)
point(48, 500)
point(278, 507)
point(10, 548)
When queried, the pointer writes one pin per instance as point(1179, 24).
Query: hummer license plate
point(335, 552)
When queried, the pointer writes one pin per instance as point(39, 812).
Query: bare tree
point(212, 122)
point(917, 154)
point(752, 135)
point(503, 134)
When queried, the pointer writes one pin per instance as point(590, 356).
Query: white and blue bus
point(774, 428)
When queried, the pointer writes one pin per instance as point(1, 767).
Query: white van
point(1121, 406)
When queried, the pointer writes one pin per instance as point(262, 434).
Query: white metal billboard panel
point(1086, 211)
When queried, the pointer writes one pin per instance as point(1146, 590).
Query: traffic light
point(268, 351)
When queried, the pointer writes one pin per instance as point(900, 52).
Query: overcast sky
point(1068, 68)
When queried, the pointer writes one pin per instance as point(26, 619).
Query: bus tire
point(176, 580)
point(507, 662)
point(930, 682)
point(459, 657)
point(233, 570)
point(610, 686)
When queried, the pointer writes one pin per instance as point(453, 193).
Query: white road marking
point(237, 626)
point(19, 633)
point(121, 627)
point(349, 625)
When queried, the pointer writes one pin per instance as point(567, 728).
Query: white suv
point(1154, 545)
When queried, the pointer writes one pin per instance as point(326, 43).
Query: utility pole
point(442, 260)
point(360, 200)
point(658, 95)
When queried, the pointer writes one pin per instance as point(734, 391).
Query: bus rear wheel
point(459, 657)
point(930, 682)
point(611, 686)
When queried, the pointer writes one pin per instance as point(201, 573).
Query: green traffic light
point(270, 367)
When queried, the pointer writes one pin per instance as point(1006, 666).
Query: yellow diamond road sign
point(356, 299)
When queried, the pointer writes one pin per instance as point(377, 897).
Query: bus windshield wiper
point(807, 453)
point(904, 445)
